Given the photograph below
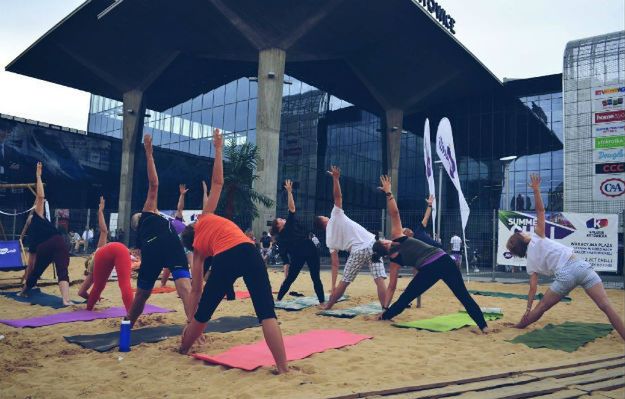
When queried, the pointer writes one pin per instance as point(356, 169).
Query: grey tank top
point(414, 252)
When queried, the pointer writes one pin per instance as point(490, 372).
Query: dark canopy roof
point(376, 54)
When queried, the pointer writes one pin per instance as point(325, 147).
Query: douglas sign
point(439, 13)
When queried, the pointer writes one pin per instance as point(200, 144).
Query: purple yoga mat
point(78, 315)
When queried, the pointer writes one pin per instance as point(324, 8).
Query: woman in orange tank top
point(234, 256)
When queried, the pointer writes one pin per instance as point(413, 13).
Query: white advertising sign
point(608, 132)
point(608, 129)
point(447, 153)
point(429, 169)
point(609, 155)
point(593, 237)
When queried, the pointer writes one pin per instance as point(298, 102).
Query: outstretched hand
point(39, 169)
point(147, 143)
point(386, 184)
point(335, 172)
point(101, 205)
point(183, 189)
point(430, 200)
point(535, 182)
point(288, 185)
point(218, 140)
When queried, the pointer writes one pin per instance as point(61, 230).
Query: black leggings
point(51, 250)
point(444, 269)
point(245, 261)
point(306, 253)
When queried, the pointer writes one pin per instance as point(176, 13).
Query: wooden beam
point(246, 30)
point(157, 71)
point(308, 24)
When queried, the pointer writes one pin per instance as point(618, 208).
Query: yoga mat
point(509, 295)
point(368, 309)
point(159, 290)
point(299, 346)
point(567, 337)
point(302, 303)
point(78, 315)
point(37, 297)
point(447, 322)
point(241, 294)
point(108, 341)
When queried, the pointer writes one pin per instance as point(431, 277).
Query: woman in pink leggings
point(100, 265)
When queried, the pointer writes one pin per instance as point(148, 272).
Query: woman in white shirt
point(550, 258)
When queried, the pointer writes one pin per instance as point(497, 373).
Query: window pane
point(229, 122)
point(241, 116)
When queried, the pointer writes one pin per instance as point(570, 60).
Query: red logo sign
point(606, 168)
point(613, 116)
point(612, 187)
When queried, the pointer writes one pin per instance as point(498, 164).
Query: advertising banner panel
point(593, 237)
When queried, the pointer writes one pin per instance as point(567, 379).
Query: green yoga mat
point(509, 295)
point(567, 337)
point(447, 322)
point(368, 309)
point(302, 303)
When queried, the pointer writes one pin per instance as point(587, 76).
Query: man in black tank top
point(160, 247)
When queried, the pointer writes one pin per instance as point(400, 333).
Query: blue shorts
point(574, 272)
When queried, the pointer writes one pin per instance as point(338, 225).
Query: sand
point(39, 363)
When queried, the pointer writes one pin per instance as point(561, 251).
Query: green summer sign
point(610, 142)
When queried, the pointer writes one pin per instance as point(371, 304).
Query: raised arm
point(151, 202)
point(393, 211)
point(40, 194)
point(335, 172)
point(428, 211)
point(288, 186)
point(104, 232)
point(539, 229)
point(183, 191)
point(217, 180)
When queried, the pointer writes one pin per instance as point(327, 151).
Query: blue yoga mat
point(36, 297)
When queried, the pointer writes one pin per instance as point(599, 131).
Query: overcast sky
point(513, 38)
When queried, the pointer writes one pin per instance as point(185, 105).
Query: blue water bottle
point(124, 336)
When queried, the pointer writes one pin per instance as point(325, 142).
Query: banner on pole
point(593, 237)
point(429, 170)
point(447, 153)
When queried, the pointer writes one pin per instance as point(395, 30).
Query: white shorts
point(355, 262)
point(573, 273)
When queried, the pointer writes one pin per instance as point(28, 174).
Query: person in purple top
point(433, 264)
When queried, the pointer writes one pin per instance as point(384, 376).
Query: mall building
point(313, 86)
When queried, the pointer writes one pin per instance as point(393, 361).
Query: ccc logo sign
point(604, 168)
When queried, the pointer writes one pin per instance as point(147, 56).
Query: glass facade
point(319, 130)
point(548, 108)
point(594, 123)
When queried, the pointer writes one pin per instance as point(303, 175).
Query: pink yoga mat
point(78, 315)
point(300, 346)
point(241, 294)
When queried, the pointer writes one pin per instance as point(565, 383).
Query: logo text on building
point(439, 13)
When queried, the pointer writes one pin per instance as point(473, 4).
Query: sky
point(513, 38)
